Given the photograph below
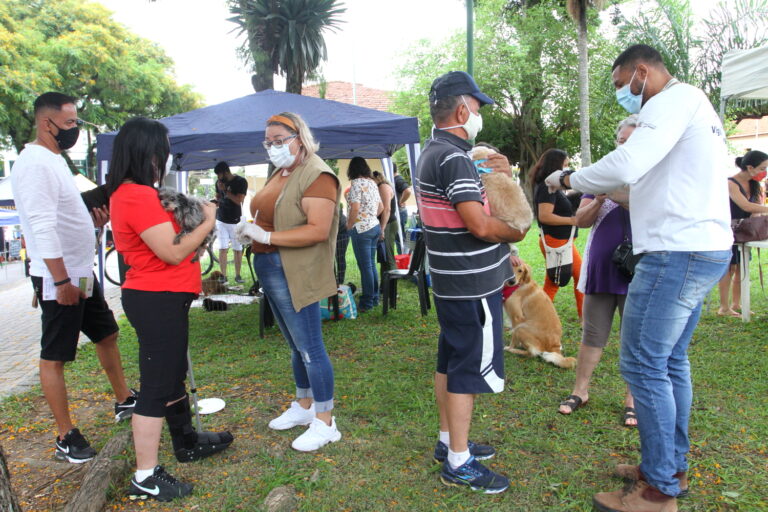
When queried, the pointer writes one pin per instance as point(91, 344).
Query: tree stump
point(8, 502)
point(103, 471)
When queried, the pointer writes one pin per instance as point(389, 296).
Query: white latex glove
point(553, 182)
point(247, 233)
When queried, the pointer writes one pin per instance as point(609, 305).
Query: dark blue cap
point(456, 83)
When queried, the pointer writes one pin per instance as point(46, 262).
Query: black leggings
point(161, 320)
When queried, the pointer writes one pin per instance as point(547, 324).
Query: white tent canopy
point(744, 75)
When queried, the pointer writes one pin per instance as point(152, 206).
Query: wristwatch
point(562, 179)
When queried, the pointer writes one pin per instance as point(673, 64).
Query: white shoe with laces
point(316, 436)
point(295, 415)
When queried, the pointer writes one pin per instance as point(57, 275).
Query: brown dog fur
point(536, 326)
point(212, 286)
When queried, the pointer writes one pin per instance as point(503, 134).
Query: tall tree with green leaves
point(526, 70)
point(694, 52)
point(73, 46)
point(285, 37)
point(578, 10)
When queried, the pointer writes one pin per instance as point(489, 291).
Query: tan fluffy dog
point(506, 199)
point(536, 326)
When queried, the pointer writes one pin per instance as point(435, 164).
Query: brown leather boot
point(639, 497)
point(631, 473)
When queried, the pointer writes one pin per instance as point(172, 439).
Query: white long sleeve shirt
point(54, 219)
point(676, 164)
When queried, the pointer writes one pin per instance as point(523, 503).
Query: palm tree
point(285, 37)
point(577, 10)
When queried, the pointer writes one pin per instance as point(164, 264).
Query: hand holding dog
point(498, 163)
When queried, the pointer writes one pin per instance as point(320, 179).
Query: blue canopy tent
point(234, 130)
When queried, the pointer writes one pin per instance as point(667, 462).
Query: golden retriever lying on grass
point(536, 326)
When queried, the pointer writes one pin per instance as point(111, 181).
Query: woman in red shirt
point(157, 293)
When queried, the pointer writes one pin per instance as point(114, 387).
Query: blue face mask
point(481, 170)
point(632, 103)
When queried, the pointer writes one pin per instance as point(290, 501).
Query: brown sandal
point(573, 402)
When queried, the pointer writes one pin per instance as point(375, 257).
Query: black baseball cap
point(456, 83)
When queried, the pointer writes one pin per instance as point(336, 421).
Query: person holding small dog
point(676, 163)
point(296, 217)
point(556, 219)
point(747, 197)
point(469, 264)
point(604, 287)
point(163, 279)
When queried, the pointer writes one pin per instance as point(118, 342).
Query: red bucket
point(402, 261)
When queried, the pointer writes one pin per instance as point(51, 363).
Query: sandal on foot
point(728, 312)
point(573, 402)
point(629, 414)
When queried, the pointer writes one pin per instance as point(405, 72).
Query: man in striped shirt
point(469, 263)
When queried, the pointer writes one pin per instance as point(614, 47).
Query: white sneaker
point(317, 435)
point(293, 416)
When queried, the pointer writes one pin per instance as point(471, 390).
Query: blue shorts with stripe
point(470, 351)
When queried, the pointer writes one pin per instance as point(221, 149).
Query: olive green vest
point(308, 270)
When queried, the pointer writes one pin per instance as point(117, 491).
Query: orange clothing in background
point(550, 288)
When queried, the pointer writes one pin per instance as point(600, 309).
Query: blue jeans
point(661, 312)
point(312, 369)
point(364, 246)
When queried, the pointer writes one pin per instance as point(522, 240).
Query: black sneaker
point(478, 451)
point(160, 486)
point(74, 448)
point(239, 279)
point(124, 410)
point(474, 475)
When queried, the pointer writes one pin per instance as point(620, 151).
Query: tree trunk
point(104, 471)
point(293, 82)
point(260, 44)
point(586, 152)
point(8, 502)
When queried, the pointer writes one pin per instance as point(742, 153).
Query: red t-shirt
point(133, 209)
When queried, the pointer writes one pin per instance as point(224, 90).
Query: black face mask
point(66, 138)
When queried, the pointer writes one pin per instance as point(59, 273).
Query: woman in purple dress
point(604, 287)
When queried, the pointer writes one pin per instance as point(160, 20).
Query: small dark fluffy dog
point(188, 212)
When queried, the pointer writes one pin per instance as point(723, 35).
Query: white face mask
point(281, 157)
point(472, 126)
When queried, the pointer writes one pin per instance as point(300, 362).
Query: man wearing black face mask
point(60, 241)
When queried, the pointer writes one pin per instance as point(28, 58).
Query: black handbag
point(623, 257)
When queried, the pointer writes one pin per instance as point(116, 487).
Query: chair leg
point(393, 294)
point(385, 295)
point(422, 295)
point(262, 312)
point(426, 291)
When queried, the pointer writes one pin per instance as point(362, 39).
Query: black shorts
point(471, 347)
point(62, 324)
point(161, 320)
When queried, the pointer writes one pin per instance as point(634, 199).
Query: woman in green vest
point(293, 241)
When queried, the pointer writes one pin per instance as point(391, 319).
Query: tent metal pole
point(101, 172)
point(389, 172)
point(723, 101)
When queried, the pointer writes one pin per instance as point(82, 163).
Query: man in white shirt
point(59, 232)
point(675, 162)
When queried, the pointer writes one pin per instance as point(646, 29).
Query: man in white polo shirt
point(60, 242)
point(676, 165)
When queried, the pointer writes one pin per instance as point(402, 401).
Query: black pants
point(161, 320)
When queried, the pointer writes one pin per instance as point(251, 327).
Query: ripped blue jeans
point(312, 369)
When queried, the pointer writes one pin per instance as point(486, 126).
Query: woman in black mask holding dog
point(157, 293)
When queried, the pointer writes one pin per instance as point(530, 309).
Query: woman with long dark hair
point(747, 198)
point(158, 290)
point(555, 216)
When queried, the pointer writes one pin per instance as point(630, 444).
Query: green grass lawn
point(386, 413)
